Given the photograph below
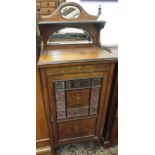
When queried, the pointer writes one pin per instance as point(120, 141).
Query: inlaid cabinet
point(76, 75)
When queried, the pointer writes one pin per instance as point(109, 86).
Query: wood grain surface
point(92, 53)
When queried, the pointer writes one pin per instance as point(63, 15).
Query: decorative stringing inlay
point(77, 69)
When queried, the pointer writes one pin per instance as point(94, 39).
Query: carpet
point(88, 148)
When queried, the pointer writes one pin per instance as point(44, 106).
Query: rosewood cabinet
point(76, 75)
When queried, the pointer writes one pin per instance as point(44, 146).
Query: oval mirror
point(70, 12)
point(67, 35)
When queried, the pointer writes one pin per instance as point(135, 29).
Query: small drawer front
point(46, 11)
point(48, 4)
point(77, 128)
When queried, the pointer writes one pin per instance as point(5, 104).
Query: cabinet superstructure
point(76, 74)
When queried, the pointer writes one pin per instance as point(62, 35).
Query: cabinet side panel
point(110, 134)
point(105, 101)
point(41, 124)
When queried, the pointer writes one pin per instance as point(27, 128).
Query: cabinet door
point(77, 103)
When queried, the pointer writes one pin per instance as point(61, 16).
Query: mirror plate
point(70, 12)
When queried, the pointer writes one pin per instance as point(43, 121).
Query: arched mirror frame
point(94, 33)
point(77, 40)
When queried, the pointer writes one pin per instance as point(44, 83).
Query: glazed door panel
point(76, 102)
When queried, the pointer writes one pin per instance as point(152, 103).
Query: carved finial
point(99, 10)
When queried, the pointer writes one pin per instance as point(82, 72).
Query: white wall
point(109, 35)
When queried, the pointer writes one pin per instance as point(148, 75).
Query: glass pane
point(59, 85)
point(69, 36)
point(80, 83)
point(61, 114)
point(60, 100)
point(95, 95)
point(97, 82)
point(93, 110)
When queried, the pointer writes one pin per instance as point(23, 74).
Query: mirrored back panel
point(69, 36)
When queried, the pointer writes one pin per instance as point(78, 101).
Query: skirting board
point(43, 147)
point(44, 151)
point(43, 142)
